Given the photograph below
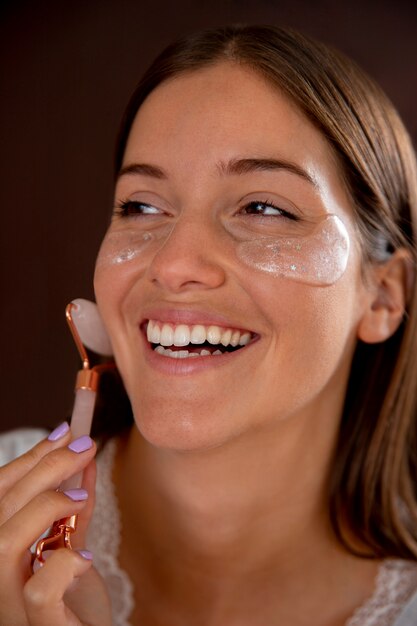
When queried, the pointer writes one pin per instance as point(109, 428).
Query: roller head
point(90, 327)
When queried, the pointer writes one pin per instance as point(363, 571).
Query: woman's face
point(195, 202)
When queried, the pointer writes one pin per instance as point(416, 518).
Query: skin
point(222, 483)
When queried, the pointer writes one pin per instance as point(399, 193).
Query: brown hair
point(373, 488)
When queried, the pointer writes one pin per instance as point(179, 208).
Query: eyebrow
point(232, 167)
point(142, 169)
point(247, 166)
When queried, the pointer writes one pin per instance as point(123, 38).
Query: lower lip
point(190, 365)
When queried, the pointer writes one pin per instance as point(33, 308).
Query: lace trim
point(104, 537)
point(395, 584)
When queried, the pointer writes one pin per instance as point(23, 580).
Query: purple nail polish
point(76, 494)
point(86, 554)
point(59, 432)
point(81, 444)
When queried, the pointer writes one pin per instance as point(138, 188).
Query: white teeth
point(234, 341)
point(226, 337)
point(244, 339)
point(182, 335)
point(198, 334)
point(167, 336)
point(213, 334)
point(153, 332)
point(184, 354)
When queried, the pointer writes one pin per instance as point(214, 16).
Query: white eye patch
point(315, 253)
point(317, 258)
point(120, 247)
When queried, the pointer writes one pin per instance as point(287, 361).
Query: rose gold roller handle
point(93, 334)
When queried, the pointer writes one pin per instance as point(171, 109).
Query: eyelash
point(268, 203)
point(122, 209)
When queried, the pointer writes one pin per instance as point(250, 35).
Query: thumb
point(78, 540)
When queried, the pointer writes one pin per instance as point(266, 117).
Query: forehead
point(191, 123)
point(225, 98)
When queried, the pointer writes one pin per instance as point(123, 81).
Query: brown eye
point(267, 209)
point(133, 207)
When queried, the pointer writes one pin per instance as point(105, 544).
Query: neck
point(265, 492)
point(237, 521)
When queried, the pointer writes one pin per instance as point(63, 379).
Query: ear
point(389, 289)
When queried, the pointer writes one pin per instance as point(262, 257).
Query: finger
point(24, 528)
point(15, 470)
point(78, 539)
point(48, 474)
point(15, 537)
point(43, 593)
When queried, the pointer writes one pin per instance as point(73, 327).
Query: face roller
point(88, 331)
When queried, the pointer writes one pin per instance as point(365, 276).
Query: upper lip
point(190, 317)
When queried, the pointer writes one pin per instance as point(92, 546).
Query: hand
point(66, 590)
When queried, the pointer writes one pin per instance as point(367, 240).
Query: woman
point(257, 284)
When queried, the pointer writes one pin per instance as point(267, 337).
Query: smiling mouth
point(184, 341)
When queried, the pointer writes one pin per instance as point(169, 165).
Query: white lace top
point(393, 603)
point(395, 586)
point(103, 539)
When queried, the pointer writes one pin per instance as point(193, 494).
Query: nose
point(189, 258)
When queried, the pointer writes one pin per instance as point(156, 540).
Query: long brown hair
point(373, 479)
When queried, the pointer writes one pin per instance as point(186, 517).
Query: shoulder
point(13, 443)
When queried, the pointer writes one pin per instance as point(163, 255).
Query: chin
point(182, 430)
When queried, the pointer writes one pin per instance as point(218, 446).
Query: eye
point(267, 209)
point(129, 208)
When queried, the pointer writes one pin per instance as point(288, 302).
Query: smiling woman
point(257, 285)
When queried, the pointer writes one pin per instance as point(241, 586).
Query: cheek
point(313, 335)
point(123, 257)
point(108, 288)
point(116, 286)
point(112, 284)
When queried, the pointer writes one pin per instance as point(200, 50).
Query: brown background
point(67, 70)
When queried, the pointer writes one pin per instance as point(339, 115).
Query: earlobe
point(388, 293)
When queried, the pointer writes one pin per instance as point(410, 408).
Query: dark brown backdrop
point(66, 72)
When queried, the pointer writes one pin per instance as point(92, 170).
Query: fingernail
point(59, 432)
point(76, 494)
point(86, 554)
point(81, 444)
